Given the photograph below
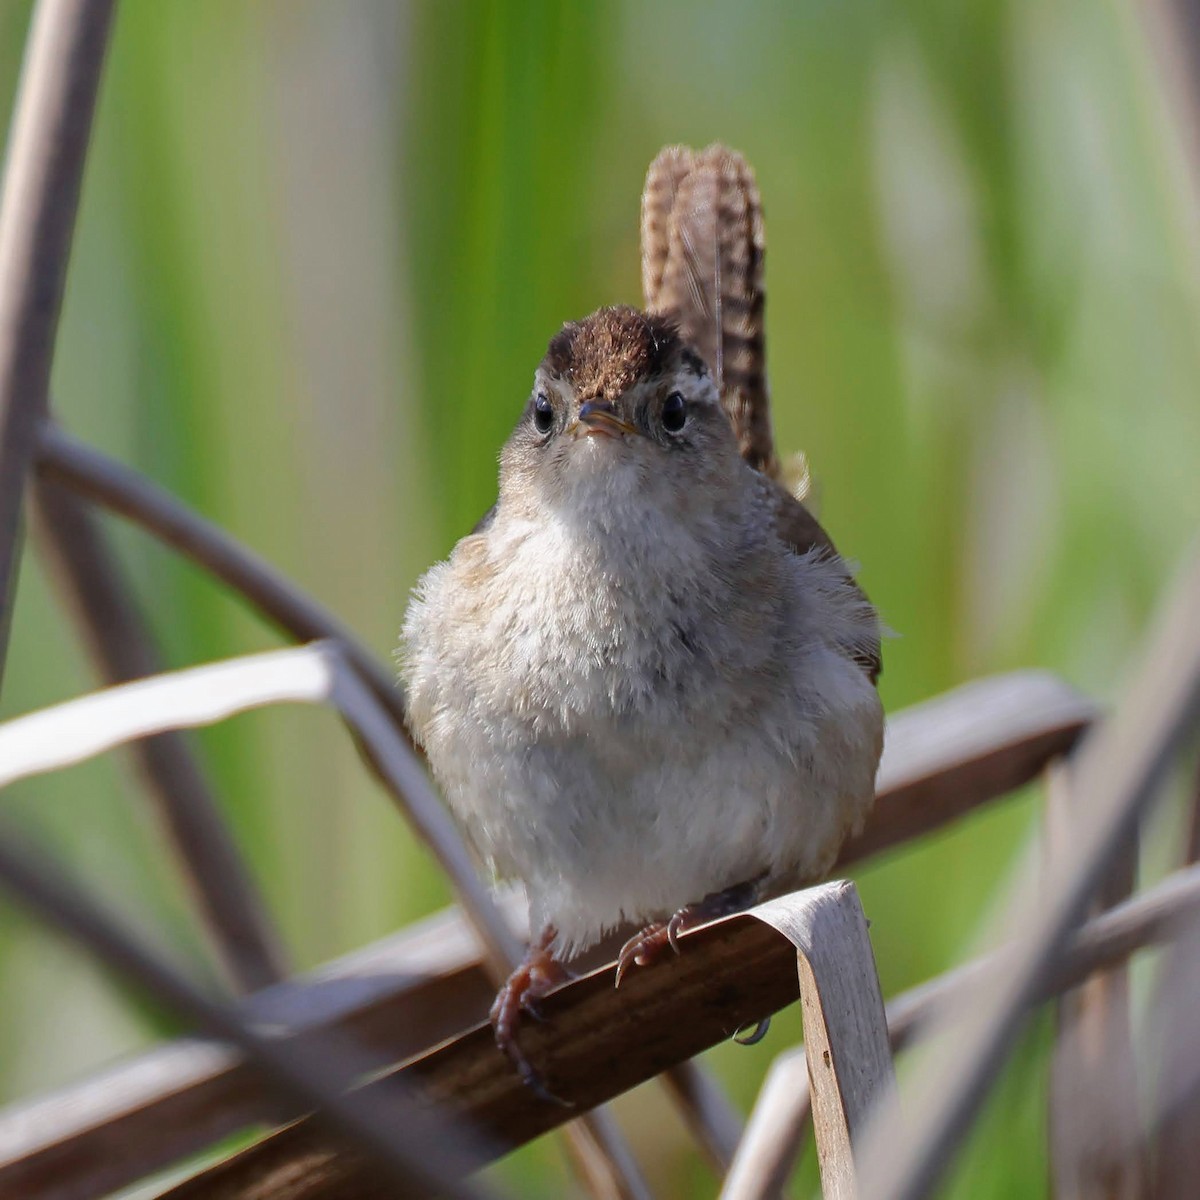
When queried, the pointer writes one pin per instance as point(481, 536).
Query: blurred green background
point(322, 247)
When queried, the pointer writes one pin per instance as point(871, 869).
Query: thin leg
point(537, 974)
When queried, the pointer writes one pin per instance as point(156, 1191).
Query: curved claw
point(531, 1006)
point(676, 925)
point(622, 967)
point(755, 1035)
point(643, 948)
point(535, 1083)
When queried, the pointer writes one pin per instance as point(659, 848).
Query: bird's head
point(622, 411)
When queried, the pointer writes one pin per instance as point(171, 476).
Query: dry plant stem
point(710, 1118)
point(988, 747)
point(393, 999)
point(596, 1044)
point(1093, 1097)
point(411, 1146)
point(1176, 1152)
point(1172, 28)
point(1176, 1101)
point(603, 1160)
point(52, 121)
point(120, 642)
point(1117, 768)
point(845, 1029)
point(1175, 1106)
point(775, 1130)
point(319, 673)
point(985, 738)
point(774, 1134)
point(76, 730)
point(115, 486)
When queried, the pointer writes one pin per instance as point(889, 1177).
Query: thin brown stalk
point(1118, 768)
point(394, 999)
point(596, 1043)
point(946, 755)
point(116, 633)
point(410, 1145)
point(711, 1119)
point(156, 1110)
point(1093, 1097)
point(48, 142)
point(1175, 1101)
point(122, 490)
point(1176, 1150)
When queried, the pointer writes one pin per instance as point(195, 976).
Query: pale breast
point(619, 738)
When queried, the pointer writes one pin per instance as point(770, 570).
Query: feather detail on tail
point(702, 265)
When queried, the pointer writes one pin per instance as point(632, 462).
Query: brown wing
point(702, 265)
point(803, 532)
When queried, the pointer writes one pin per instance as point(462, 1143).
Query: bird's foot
point(649, 944)
point(537, 974)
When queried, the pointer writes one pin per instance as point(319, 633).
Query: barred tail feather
point(702, 265)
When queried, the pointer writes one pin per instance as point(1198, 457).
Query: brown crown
point(605, 354)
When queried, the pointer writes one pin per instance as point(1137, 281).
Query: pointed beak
point(597, 416)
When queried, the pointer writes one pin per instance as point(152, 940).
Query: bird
point(646, 681)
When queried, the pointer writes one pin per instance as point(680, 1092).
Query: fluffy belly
point(626, 754)
point(629, 822)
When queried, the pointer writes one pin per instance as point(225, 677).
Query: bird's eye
point(543, 413)
point(674, 412)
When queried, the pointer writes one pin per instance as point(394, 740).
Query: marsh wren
point(645, 681)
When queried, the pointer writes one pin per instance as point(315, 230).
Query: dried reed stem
point(48, 143)
point(100, 600)
point(412, 1147)
point(122, 490)
point(1176, 1150)
point(845, 1027)
point(1093, 1099)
